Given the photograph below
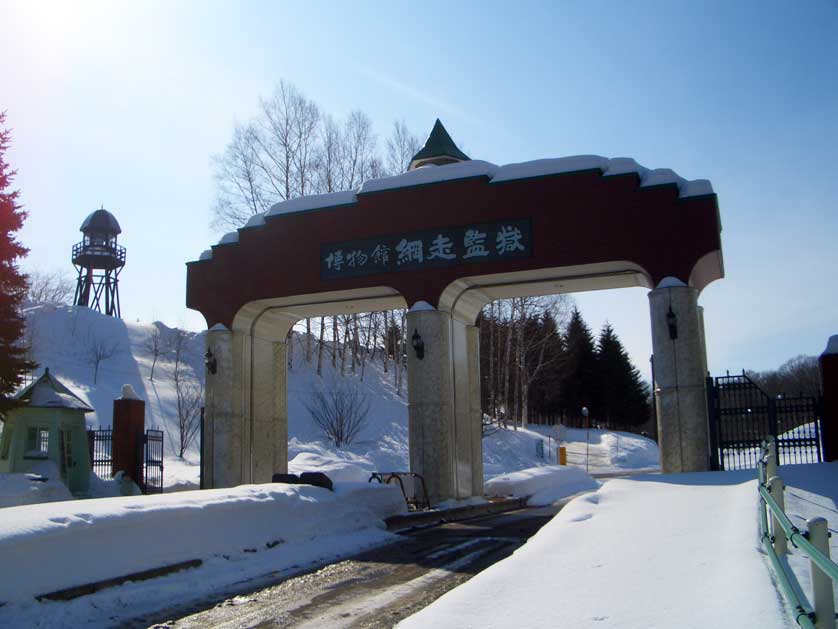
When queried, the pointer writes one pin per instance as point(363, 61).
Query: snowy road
point(381, 587)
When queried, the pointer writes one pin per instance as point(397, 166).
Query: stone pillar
point(681, 399)
point(128, 429)
point(704, 368)
point(468, 438)
point(475, 410)
point(269, 426)
point(221, 451)
point(430, 404)
point(246, 416)
point(828, 363)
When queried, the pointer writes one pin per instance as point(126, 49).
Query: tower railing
point(81, 249)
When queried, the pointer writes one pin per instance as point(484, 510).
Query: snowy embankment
point(542, 485)
point(811, 491)
point(61, 338)
point(651, 551)
point(72, 543)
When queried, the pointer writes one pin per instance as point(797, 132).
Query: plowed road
point(377, 588)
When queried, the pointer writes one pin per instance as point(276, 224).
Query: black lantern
point(672, 323)
point(210, 362)
point(418, 345)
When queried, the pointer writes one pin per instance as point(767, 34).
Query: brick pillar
point(828, 362)
point(128, 428)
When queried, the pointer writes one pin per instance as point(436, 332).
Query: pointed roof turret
point(439, 149)
point(48, 392)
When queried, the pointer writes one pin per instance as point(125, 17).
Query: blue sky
point(125, 103)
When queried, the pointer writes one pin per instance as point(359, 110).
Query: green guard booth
point(48, 425)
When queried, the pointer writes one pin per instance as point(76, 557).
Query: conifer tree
point(621, 395)
point(12, 282)
point(579, 373)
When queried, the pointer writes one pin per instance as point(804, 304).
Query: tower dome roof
point(102, 222)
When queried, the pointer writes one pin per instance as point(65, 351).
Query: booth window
point(37, 443)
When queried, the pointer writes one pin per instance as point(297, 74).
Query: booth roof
point(48, 392)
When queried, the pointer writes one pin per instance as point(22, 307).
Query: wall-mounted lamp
point(210, 362)
point(672, 322)
point(418, 345)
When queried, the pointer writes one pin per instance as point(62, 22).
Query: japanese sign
point(482, 242)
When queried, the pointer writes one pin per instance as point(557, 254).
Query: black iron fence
point(100, 446)
point(153, 463)
point(742, 415)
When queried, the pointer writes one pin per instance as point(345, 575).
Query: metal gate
point(100, 446)
point(742, 415)
point(153, 468)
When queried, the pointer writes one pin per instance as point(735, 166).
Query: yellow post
point(562, 455)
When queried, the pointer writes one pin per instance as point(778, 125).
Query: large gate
point(742, 415)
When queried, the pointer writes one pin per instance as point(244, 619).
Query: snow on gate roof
point(430, 174)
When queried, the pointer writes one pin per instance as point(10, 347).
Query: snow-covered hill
point(62, 336)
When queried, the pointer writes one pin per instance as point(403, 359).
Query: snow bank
point(340, 470)
point(811, 491)
point(654, 551)
point(544, 485)
point(59, 540)
point(24, 489)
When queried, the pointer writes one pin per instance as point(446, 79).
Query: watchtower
point(99, 259)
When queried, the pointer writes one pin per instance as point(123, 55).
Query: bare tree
point(359, 149)
point(402, 145)
point(98, 348)
point(339, 410)
point(156, 345)
point(49, 287)
point(190, 396)
point(330, 154)
point(189, 393)
point(240, 187)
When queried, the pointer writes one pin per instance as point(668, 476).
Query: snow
point(43, 484)
point(811, 491)
point(651, 551)
point(345, 468)
point(206, 254)
point(670, 282)
point(556, 166)
point(421, 306)
point(832, 345)
point(542, 485)
point(229, 238)
point(58, 539)
point(313, 202)
point(600, 451)
point(257, 220)
point(431, 174)
point(128, 393)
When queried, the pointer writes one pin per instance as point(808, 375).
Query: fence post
point(128, 426)
point(824, 602)
point(776, 487)
point(771, 458)
point(828, 363)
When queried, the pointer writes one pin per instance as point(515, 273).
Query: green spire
point(439, 149)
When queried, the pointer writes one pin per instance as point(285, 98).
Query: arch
point(466, 297)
